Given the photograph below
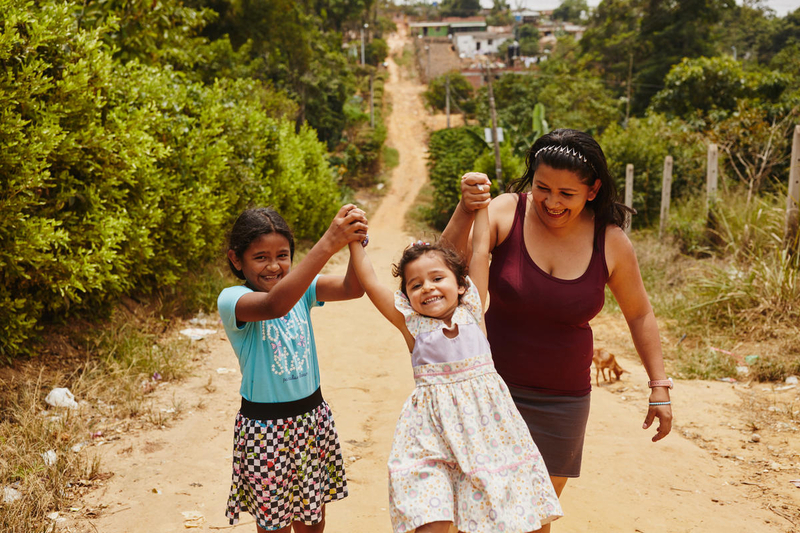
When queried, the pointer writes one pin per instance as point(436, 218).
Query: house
point(526, 16)
point(469, 45)
point(447, 26)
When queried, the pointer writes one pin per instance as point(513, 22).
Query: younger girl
point(287, 462)
point(461, 452)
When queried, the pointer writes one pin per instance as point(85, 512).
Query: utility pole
point(447, 98)
point(498, 166)
point(628, 99)
point(428, 71)
point(371, 101)
point(362, 41)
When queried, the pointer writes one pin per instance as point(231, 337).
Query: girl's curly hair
point(416, 250)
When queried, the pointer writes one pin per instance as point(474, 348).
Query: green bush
point(644, 144)
point(117, 179)
point(451, 153)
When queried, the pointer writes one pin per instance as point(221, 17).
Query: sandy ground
point(707, 476)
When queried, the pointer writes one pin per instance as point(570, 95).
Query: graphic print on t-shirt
point(292, 360)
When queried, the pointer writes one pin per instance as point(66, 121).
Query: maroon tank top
point(538, 325)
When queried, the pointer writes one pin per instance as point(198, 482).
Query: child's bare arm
point(349, 224)
point(336, 288)
point(382, 297)
point(479, 263)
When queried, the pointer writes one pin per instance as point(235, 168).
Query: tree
point(571, 10)
point(670, 31)
point(696, 87)
point(460, 8)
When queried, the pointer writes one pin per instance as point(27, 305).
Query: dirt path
point(685, 483)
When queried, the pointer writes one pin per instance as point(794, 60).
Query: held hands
point(475, 191)
point(663, 412)
point(349, 225)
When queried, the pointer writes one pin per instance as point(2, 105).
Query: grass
point(111, 369)
point(729, 284)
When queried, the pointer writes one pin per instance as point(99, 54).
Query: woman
point(554, 249)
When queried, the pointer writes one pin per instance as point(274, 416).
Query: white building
point(469, 45)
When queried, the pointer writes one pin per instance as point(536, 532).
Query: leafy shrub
point(461, 93)
point(451, 153)
point(644, 144)
point(117, 179)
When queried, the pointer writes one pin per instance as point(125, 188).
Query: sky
point(781, 7)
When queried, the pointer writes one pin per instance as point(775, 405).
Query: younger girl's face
point(432, 287)
point(265, 262)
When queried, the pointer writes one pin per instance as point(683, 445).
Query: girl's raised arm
point(382, 297)
point(479, 263)
point(348, 225)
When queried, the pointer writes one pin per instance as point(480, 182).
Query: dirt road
point(170, 479)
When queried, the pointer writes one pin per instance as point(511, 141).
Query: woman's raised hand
point(475, 191)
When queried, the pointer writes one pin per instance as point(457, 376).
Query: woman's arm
point(479, 264)
point(382, 297)
point(349, 224)
point(457, 232)
point(625, 282)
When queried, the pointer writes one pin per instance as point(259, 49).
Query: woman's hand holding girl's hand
point(349, 224)
point(475, 191)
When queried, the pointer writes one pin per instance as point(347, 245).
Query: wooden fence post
point(793, 196)
point(629, 192)
point(666, 190)
point(712, 176)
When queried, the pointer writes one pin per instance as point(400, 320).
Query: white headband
point(564, 150)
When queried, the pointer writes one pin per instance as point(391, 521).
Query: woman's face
point(559, 196)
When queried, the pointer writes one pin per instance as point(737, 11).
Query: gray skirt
point(557, 425)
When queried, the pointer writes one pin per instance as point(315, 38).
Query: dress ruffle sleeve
point(413, 318)
point(471, 302)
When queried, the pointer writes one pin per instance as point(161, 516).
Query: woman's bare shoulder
point(504, 202)
point(501, 217)
point(619, 248)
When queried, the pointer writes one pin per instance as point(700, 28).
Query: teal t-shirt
point(278, 357)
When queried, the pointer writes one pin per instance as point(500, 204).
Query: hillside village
point(465, 43)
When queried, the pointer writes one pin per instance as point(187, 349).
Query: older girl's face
point(560, 196)
point(266, 261)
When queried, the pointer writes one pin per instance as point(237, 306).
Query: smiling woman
point(556, 242)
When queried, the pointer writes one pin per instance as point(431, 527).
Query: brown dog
point(603, 359)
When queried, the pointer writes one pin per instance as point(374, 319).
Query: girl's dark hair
point(416, 250)
point(577, 151)
point(251, 224)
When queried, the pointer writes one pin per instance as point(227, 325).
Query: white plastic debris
point(193, 519)
point(50, 457)
point(61, 397)
point(10, 495)
point(791, 380)
point(197, 334)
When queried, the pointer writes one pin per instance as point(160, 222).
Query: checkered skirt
point(285, 470)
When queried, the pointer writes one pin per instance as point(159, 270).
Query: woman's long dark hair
point(577, 151)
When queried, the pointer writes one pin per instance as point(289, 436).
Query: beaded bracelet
point(660, 403)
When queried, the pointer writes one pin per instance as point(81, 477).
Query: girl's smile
point(432, 287)
point(265, 262)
